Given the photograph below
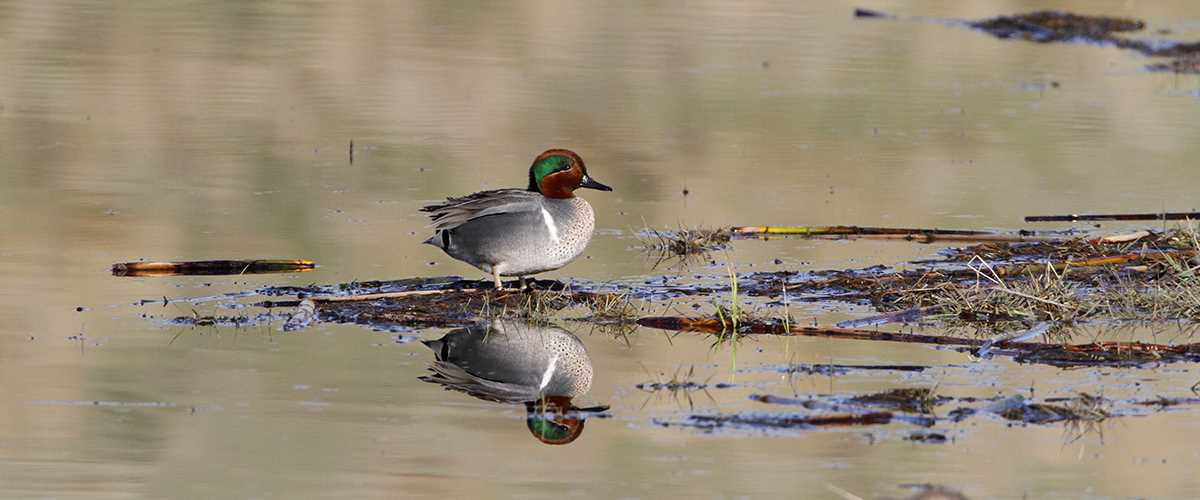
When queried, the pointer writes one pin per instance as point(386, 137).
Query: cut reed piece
point(1104, 217)
point(212, 267)
point(1122, 238)
point(921, 235)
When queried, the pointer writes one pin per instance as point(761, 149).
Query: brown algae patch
point(1051, 26)
point(1055, 26)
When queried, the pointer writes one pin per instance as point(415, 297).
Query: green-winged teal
point(519, 232)
point(542, 366)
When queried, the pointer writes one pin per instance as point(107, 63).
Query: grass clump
point(683, 245)
point(534, 305)
point(612, 308)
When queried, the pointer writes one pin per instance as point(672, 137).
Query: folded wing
point(455, 212)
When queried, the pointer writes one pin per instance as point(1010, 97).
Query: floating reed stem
point(212, 267)
point(920, 235)
point(1109, 217)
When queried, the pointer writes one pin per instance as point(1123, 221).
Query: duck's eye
point(563, 167)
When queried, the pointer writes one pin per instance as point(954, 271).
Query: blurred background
point(198, 130)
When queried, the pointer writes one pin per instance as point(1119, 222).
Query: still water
point(192, 130)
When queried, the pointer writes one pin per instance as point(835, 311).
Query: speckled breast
point(569, 224)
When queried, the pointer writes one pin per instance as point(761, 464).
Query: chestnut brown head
point(557, 173)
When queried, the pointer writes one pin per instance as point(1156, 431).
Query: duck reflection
point(540, 366)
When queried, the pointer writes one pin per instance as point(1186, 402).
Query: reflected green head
point(548, 431)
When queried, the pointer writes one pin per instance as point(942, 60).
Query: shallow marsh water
point(201, 131)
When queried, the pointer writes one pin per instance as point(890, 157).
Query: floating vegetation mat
point(1027, 300)
point(1063, 300)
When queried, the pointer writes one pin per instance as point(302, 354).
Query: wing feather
point(455, 212)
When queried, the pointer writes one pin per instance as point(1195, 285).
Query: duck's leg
point(496, 276)
point(522, 282)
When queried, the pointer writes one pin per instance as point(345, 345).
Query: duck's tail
point(440, 239)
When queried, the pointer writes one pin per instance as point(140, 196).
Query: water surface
point(203, 131)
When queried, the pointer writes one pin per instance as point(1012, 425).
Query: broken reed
point(1115, 217)
point(919, 235)
point(686, 242)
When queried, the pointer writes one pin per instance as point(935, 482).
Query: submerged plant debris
point(921, 408)
point(913, 400)
point(776, 421)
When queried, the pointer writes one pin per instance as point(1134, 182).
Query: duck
point(520, 232)
point(541, 366)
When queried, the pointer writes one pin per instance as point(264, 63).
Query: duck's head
point(557, 173)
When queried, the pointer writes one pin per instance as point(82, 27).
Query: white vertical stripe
point(549, 373)
point(546, 218)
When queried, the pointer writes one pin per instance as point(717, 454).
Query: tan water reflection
point(207, 131)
